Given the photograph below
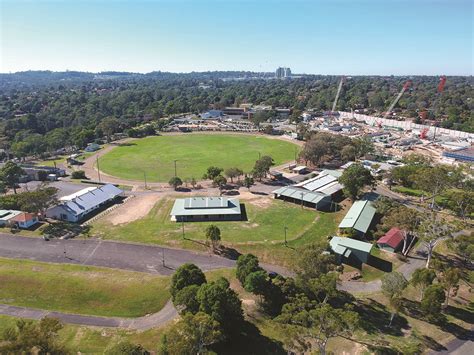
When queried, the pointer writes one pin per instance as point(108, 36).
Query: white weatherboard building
point(77, 206)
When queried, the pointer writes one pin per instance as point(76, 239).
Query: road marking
point(93, 252)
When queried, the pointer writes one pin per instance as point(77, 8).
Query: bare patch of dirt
point(135, 208)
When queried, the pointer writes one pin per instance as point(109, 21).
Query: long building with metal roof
point(359, 216)
point(296, 194)
point(206, 209)
point(77, 206)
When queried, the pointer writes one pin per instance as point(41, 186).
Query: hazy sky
point(320, 37)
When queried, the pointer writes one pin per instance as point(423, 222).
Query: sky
point(351, 37)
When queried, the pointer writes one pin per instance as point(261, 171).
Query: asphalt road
point(135, 257)
point(141, 323)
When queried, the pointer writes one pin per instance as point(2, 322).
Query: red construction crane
point(405, 87)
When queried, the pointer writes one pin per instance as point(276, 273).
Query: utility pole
point(163, 256)
point(182, 224)
point(302, 194)
point(286, 243)
point(175, 174)
point(98, 168)
point(144, 175)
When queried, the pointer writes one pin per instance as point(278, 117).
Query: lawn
point(194, 154)
point(262, 233)
point(81, 289)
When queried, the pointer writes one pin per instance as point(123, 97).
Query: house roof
point(6, 215)
point(193, 206)
point(301, 194)
point(89, 198)
point(343, 246)
point(24, 217)
point(359, 216)
point(393, 238)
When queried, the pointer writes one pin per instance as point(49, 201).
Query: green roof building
point(194, 209)
point(359, 216)
point(350, 250)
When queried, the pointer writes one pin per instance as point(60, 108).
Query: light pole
point(144, 175)
point(302, 194)
point(286, 243)
point(175, 174)
point(163, 256)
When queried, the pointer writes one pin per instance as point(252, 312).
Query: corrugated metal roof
point(359, 216)
point(326, 183)
point(89, 198)
point(337, 243)
point(225, 206)
point(301, 194)
point(205, 202)
point(393, 238)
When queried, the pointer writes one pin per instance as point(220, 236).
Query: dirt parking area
point(135, 208)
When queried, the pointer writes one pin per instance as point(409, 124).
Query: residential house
point(24, 220)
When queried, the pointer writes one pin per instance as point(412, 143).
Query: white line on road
point(92, 253)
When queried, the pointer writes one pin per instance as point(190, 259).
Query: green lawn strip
point(81, 289)
point(194, 154)
point(24, 232)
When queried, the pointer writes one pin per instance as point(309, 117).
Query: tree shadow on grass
point(249, 341)
point(429, 342)
point(412, 308)
point(375, 318)
point(456, 330)
point(123, 144)
point(463, 314)
point(229, 253)
point(379, 263)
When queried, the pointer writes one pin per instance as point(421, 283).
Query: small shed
point(350, 250)
point(392, 241)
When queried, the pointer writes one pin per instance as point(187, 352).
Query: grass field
point(194, 154)
point(262, 234)
point(81, 289)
